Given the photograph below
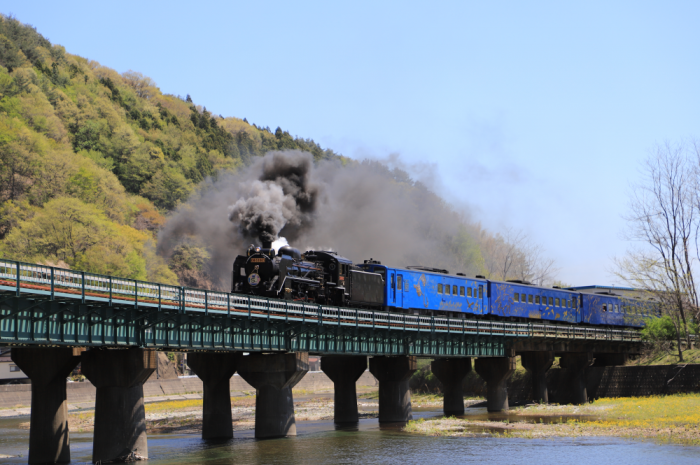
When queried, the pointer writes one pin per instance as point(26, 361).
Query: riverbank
point(668, 419)
point(185, 416)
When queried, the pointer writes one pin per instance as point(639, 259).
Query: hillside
point(102, 172)
point(91, 160)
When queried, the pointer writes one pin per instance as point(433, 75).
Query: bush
point(423, 380)
point(659, 329)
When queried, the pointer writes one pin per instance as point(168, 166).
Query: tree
point(17, 168)
point(143, 86)
point(80, 235)
point(663, 221)
point(10, 55)
point(515, 256)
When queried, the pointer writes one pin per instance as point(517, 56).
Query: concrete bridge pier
point(496, 372)
point(344, 371)
point(273, 376)
point(537, 363)
point(393, 374)
point(120, 418)
point(576, 363)
point(215, 371)
point(49, 440)
point(451, 373)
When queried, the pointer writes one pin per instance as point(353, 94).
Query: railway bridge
point(55, 318)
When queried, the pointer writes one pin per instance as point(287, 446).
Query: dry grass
point(667, 357)
point(674, 419)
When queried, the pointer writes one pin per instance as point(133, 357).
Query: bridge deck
point(47, 305)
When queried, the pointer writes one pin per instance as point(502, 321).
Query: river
point(321, 442)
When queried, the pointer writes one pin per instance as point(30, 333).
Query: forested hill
point(91, 160)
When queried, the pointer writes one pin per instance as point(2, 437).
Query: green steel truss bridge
point(47, 306)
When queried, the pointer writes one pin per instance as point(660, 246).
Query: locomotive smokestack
point(266, 244)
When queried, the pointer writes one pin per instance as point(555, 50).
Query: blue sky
point(529, 115)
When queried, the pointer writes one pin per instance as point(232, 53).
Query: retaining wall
point(617, 381)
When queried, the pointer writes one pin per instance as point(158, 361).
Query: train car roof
point(434, 273)
point(534, 286)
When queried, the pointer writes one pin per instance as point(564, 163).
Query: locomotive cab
point(336, 274)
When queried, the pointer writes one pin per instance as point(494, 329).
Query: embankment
point(15, 395)
point(616, 381)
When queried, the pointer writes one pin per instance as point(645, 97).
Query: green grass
point(663, 357)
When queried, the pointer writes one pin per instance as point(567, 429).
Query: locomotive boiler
point(322, 277)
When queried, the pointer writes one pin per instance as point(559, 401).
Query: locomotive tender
point(325, 277)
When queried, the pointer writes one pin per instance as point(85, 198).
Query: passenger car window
point(529, 299)
point(515, 297)
point(537, 299)
point(481, 292)
point(556, 302)
point(469, 292)
point(399, 282)
point(439, 288)
point(461, 291)
point(447, 289)
point(523, 298)
point(454, 290)
point(605, 308)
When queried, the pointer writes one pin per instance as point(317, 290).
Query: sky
point(532, 116)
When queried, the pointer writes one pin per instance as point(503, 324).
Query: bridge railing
point(58, 283)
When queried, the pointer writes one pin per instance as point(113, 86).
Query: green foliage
point(25, 38)
point(659, 329)
point(10, 55)
point(80, 235)
point(91, 159)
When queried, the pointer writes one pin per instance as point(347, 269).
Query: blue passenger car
point(615, 310)
point(415, 290)
point(516, 299)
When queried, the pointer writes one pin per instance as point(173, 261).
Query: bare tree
point(663, 220)
point(515, 256)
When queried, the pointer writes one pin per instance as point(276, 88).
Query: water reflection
point(322, 442)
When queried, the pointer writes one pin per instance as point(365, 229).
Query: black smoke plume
point(361, 210)
point(283, 197)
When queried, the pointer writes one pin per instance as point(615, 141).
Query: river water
point(321, 442)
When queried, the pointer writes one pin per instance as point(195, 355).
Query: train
point(325, 277)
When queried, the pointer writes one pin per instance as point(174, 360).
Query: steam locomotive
point(325, 277)
point(316, 276)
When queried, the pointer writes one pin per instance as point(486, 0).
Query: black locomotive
point(322, 277)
